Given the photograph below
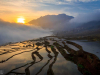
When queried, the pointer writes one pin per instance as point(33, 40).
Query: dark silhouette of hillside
point(51, 21)
point(60, 24)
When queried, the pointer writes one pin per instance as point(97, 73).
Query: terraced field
point(47, 56)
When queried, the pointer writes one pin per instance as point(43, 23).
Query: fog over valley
point(13, 32)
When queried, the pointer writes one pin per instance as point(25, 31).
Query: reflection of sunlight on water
point(5, 56)
point(50, 51)
point(61, 66)
point(36, 67)
point(16, 61)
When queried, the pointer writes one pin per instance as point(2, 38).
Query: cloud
point(81, 0)
point(12, 32)
point(10, 10)
point(83, 18)
point(78, 21)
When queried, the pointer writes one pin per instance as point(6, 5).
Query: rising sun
point(20, 20)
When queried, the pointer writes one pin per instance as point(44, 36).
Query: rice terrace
point(49, 55)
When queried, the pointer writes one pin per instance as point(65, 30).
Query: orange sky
point(11, 10)
point(28, 16)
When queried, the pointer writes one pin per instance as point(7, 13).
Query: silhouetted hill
point(61, 21)
point(51, 21)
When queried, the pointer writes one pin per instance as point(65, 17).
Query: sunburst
point(20, 20)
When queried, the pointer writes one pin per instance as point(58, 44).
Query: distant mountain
point(51, 21)
point(89, 25)
point(91, 28)
point(65, 27)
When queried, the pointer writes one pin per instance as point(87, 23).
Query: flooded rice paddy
point(50, 56)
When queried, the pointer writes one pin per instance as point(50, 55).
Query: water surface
point(24, 58)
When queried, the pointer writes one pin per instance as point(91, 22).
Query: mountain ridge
point(50, 21)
